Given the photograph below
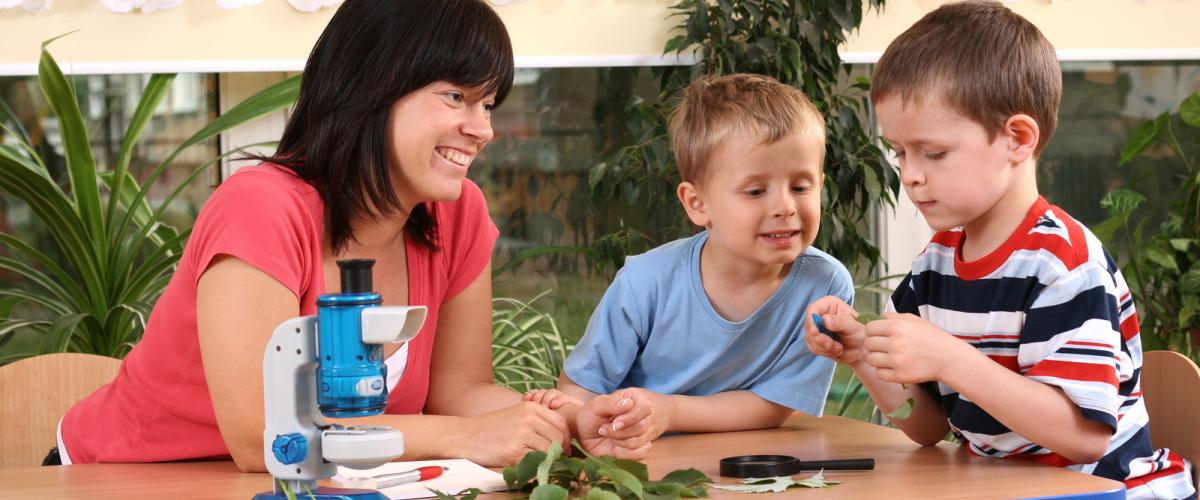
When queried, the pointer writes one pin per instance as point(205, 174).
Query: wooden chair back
point(1171, 390)
point(36, 392)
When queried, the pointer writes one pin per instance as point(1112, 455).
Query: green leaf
point(634, 467)
point(599, 494)
point(61, 331)
point(518, 476)
point(1182, 244)
point(81, 167)
point(1143, 137)
point(1189, 110)
point(903, 411)
point(1189, 283)
point(1162, 257)
point(548, 492)
point(1121, 203)
point(1185, 315)
point(467, 494)
point(624, 480)
point(543, 470)
point(687, 477)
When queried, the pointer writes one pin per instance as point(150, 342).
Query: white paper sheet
point(461, 474)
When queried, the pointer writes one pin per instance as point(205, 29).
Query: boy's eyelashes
point(799, 189)
point(929, 155)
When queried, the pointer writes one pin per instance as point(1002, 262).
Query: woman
point(394, 106)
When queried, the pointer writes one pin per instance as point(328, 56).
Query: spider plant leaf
point(266, 101)
point(61, 331)
point(81, 167)
point(152, 96)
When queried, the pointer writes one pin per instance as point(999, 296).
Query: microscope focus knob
point(290, 448)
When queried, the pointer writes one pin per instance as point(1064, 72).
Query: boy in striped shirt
point(1015, 329)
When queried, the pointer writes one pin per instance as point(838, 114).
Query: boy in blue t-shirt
point(706, 333)
point(1015, 329)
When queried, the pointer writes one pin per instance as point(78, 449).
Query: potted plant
point(117, 252)
point(1163, 269)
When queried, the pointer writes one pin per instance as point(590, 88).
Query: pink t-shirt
point(159, 409)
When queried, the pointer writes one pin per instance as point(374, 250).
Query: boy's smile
point(761, 203)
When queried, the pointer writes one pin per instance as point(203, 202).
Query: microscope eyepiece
point(356, 275)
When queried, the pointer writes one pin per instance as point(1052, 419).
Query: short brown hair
point(986, 61)
point(714, 109)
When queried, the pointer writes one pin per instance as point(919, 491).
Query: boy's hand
point(840, 319)
point(618, 424)
point(907, 349)
point(551, 398)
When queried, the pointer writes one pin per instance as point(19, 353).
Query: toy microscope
point(331, 364)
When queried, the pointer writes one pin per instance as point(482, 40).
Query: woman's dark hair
point(372, 53)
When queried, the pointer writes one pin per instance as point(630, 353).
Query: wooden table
point(902, 469)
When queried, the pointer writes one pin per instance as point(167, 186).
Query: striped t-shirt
point(1050, 304)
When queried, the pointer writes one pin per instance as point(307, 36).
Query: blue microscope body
point(331, 365)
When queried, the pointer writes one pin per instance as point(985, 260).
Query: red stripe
point(1073, 370)
point(1091, 344)
point(1129, 327)
point(1078, 241)
point(1175, 468)
point(1051, 458)
point(1009, 362)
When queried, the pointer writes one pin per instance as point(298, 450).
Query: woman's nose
point(478, 124)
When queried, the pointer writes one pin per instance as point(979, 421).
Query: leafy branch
point(553, 475)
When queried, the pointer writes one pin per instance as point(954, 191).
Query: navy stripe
point(977, 296)
point(1115, 465)
point(1043, 323)
point(970, 417)
point(904, 299)
point(1085, 352)
point(1100, 416)
point(1126, 387)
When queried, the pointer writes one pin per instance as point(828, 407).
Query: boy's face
point(949, 167)
point(761, 203)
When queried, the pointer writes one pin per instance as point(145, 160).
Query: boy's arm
point(570, 388)
point(721, 412)
point(926, 423)
point(908, 349)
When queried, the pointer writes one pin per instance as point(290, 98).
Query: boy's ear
point(1023, 134)
point(693, 203)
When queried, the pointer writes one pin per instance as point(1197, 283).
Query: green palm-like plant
point(528, 349)
point(117, 253)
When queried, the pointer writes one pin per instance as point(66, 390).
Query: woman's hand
point(502, 437)
point(840, 319)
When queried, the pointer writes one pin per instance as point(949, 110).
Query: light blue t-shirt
point(655, 328)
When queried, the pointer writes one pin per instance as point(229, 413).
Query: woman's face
point(436, 132)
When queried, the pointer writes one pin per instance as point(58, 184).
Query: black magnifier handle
point(849, 464)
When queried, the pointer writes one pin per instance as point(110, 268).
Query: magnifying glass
point(783, 465)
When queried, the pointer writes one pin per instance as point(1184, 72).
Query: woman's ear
point(693, 203)
point(1023, 134)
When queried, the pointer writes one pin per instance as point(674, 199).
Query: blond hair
point(983, 59)
point(715, 109)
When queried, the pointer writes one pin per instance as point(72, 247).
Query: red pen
point(398, 478)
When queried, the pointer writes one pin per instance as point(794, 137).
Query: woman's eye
point(754, 192)
point(801, 189)
point(935, 156)
point(454, 96)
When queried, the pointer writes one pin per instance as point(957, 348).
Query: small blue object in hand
point(821, 327)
